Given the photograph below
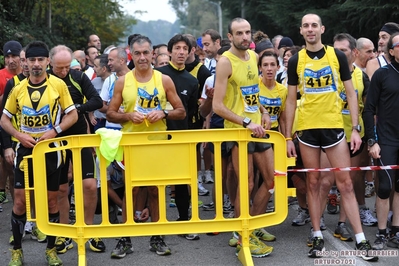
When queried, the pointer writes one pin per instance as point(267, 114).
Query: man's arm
point(94, 100)
point(356, 141)
point(223, 72)
point(25, 139)
point(67, 121)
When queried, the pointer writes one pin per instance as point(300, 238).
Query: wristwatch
point(358, 128)
point(58, 129)
point(166, 113)
point(78, 106)
point(246, 122)
point(371, 142)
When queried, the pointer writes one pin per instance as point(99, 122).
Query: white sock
point(317, 234)
point(360, 237)
point(362, 206)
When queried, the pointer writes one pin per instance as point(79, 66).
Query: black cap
point(285, 42)
point(12, 47)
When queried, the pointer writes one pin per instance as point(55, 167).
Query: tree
point(66, 22)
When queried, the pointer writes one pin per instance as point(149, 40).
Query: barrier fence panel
point(151, 161)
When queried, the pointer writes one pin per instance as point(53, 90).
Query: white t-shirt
point(211, 65)
point(210, 82)
point(106, 94)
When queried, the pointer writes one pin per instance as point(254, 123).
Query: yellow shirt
point(319, 84)
point(38, 107)
point(143, 98)
point(357, 80)
point(242, 94)
point(273, 100)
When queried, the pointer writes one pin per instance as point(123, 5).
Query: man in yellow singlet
point(319, 72)
point(144, 93)
point(236, 99)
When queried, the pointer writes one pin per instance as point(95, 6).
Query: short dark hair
point(267, 53)
point(223, 49)
point(178, 38)
point(192, 40)
point(139, 39)
point(104, 61)
point(215, 35)
point(130, 38)
point(345, 36)
point(88, 47)
point(389, 46)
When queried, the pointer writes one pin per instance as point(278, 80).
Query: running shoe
point(332, 203)
point(302, 218)
point(227, 207)
point(52, 258)
point(158, 246)
point(28, 227)
point(3, 196)
point(200, 177)
point(123, 247)
point(367, 217)
point(317, 246)
point(393, 241)
point(258, 248)
point(63, 244)
point(262, 234)
point(38, 235)
point(342, 232)
point(190, 236)
point(202, 191)
point(369, 190)
point(365, 246)
point(172, 203)
point(380, 242)
point(208, 177)
point(234, 239)
point(209, 207)
point(96, 244)
point(17, 257)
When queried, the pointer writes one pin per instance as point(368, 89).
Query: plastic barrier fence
point(160, 163)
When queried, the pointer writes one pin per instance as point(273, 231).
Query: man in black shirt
point(382, 102)
point(187, 89)
point(80, 87)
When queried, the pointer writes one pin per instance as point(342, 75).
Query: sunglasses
point(395, 45)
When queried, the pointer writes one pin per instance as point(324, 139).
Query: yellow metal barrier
point(161, 163)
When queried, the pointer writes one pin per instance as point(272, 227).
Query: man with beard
point(41, 98)
point(247, 112)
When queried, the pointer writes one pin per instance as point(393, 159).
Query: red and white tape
point(337, 169)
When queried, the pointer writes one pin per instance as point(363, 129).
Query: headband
point(391, 29)
point(36, 52)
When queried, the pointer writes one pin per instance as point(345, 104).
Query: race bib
point(250, 94)
point(35, 122)
point(320, 81)
point(146, 102)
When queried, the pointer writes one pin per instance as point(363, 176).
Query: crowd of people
point(334, 104)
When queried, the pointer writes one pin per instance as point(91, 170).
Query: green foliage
point(71, 21)
point(360, 18)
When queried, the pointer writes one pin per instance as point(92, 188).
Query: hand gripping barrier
point(161, 163)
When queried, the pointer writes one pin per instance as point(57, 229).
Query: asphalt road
point(289, 249)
